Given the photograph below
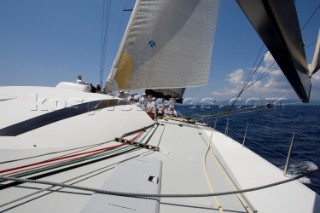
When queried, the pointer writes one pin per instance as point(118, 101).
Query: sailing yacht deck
point(64, 135)
point(182, 151)
point(183, 148)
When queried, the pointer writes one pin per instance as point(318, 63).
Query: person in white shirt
point(173, 111)
point(160, 108)
point(79, 80)
point(131, 98)
point(166, 110)
point(172, 102)
point(143, 100)
point(150, 107)
point(136, 101)
point(170, 111)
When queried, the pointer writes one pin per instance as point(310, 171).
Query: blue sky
point(43, 42)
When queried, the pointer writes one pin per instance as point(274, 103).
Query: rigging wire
point(104, 36)
point(121, 22)
point(228, 113)
point(119, 31)
point(129, 194)
point(309, 19)
point(253, 71)
point(268, 71)
point(251, 74)
point(311, 44)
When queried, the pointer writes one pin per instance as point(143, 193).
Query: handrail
point(289, 156)
point(228, 130)
point(245, 134)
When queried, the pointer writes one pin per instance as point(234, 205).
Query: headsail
point(315, 66)
point(167, 44)
point(277, 24)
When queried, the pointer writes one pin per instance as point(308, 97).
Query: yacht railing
point(289, 155)
point(244, 138)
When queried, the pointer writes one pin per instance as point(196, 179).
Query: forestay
point(167, 44)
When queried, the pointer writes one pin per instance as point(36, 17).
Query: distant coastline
point(291, 102)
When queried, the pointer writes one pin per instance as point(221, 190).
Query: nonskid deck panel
point(182, 149)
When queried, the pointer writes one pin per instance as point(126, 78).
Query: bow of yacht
point(120, 149)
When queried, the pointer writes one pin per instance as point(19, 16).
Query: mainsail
point(167, 44)
point(277, 24)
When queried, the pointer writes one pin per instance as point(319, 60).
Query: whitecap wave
point(297, 168)
point(305, 180)
point(310, 166)
point(302, 167)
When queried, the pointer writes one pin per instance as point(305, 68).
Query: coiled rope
point(128, 194)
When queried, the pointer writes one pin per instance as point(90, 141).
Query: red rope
point(92, 152)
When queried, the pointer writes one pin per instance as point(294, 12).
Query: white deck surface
point(182, 150)
point(249, 170)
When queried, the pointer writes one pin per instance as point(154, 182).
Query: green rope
point(118, 150)
point(96, 156)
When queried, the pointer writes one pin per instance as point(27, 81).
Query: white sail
point(316, 58)
point(168, 44)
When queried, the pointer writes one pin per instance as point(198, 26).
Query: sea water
point(270, 132)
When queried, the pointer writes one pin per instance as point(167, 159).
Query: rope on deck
point(141, 195)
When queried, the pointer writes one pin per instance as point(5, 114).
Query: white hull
point(183, 147)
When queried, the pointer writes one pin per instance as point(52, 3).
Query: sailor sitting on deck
point(122, 94)
point(160, 108)
point(170, 111)
point(166, 109)
point(98, 88)
point(131, 97)
point(79, 80)
point(172, 102)
point(136, 101)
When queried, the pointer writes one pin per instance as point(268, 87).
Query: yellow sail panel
point(124, 71)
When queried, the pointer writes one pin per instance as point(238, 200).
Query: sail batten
point(168, 44)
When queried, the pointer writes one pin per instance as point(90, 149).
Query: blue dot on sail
point(152, 44)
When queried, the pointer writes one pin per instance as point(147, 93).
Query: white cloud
point(316, 77)
point(236, 77)
point(315, 91)
point(225, 92)
point(274, 84)
point(268, 59)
